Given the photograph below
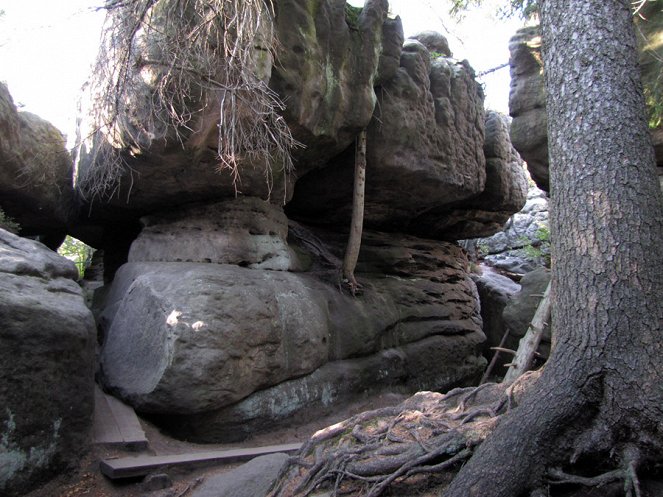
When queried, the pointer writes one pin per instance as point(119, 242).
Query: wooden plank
point(115, 423)
point(129, 467)
point(105, 431)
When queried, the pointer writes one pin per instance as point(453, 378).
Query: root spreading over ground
point(428, 435)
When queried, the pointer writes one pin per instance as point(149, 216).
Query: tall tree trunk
point(602, 388)
point(357, 222)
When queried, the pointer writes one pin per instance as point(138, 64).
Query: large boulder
point(223, 349)
point(326, 61)
point(47, 341)
point(504, 194)
point(247, 232)
point(35, 172)
point(427, 137)
point(495, 292)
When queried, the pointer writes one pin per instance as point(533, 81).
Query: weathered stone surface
point(35, 171)
point(527, 103)
point(520, 310)
point(47, 342)
point(324, 73)
point(192, 337)
point(246, 231)
point(429, 364)
point(193, 340)
point(252, 479)
point(435, 42)
point(427, 137)
point(505, 191)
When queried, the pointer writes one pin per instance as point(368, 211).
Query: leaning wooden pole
point(522, 362)
point(357, 222)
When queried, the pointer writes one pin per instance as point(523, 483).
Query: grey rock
point(324, 74)
point(35, 172)
point(252, 479)
point(246, 231)
point(495, 291)
point(199, 340)
point(527, 103)
point(434, 42)
point(191, 337)
point(516, 261)
point(47, 344)
point(157, 481)
point(433, 363)
point(427, 137)
point(505, 249)
point(504, 194)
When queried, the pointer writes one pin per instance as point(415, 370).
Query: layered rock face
point(428, 158)
point(47, 367)
point(228, 316)
point(35, 173)
point(324, 71)
point(225, 350)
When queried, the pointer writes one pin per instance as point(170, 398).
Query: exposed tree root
point(429, 433)
point(628, 474)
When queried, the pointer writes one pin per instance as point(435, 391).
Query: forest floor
point(88, 481)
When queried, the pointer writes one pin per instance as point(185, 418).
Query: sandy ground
point(88, 481)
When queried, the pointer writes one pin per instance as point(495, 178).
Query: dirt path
point(87, 481)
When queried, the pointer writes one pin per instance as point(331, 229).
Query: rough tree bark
point(601, 392)
point(357, 222)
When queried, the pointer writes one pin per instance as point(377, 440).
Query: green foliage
point(540, 249)
point(483, 250)
point(435, 55)
point(352, 15)
point(8, 223)
point(78, 252)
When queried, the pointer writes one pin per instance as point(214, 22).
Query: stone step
point(129, 467)
point(115, 423)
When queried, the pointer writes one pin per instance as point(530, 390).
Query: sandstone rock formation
point(47, 341)
point(495, 293)
point(427, 159)
point(527, 103)
point(225, 350)
point(35, 173)
point(324, 70)
point(227, 316)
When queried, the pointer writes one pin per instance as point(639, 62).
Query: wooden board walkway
point(129, 467)
point(115, 423)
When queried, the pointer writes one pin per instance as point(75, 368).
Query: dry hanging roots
point(429, 433)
